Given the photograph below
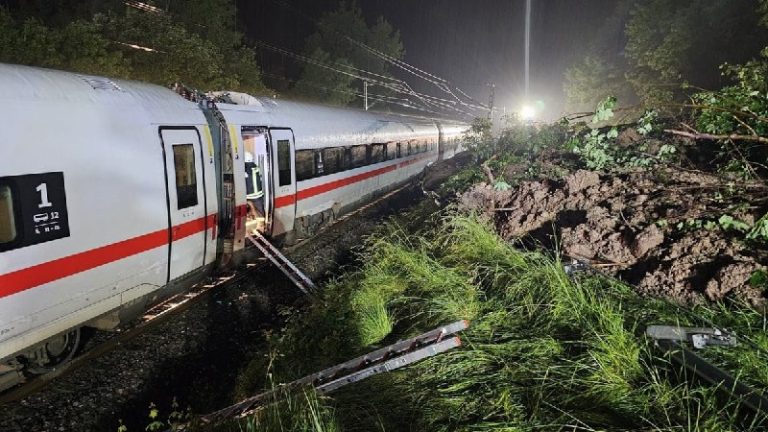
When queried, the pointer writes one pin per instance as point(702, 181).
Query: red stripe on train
point(286, 200)
point(30, 277)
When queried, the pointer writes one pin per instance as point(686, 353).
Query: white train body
point(114, 194)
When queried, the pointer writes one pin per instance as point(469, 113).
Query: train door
point(284, 177)
point(186, 200)
point(258, 178)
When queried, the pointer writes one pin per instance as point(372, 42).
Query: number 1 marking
point(43, 189)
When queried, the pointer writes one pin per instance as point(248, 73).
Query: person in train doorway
point(254, 192)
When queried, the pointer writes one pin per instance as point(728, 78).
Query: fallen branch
point(716, 108)
point(706, 136)
point(487, 170)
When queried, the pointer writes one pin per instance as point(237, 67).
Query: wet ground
point(193, 358)
point(671, 232)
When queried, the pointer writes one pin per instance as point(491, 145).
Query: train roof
point(25, 84)
point(314, 125)
point(317, 126)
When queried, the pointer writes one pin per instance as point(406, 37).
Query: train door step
point(293, 273)
point(387, 359)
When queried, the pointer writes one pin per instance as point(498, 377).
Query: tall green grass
point(295, 412)
point(544, 351)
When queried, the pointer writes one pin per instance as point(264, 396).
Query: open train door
point(259, 183)
point(186, 199)
point(284, 177)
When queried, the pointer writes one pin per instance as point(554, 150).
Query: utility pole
point(491, 99)
point(365, 93)
point(527, 48)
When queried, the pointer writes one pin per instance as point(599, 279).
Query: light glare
point(527, 112)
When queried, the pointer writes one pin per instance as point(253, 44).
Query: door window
point(186, 176)
point(7, 217)
point(284, 162)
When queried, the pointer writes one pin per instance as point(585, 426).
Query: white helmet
point(248, 157)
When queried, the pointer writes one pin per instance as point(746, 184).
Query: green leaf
point(759, 279)
point(501, 185)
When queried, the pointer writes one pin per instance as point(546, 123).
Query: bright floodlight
point(527, 112)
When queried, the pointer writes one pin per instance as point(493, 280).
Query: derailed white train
point(116, 194)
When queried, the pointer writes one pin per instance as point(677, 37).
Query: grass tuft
point(544, 351)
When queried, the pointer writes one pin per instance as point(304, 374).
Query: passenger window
point(410, 149)
point(399, 150)
point(377, 153)
point(284, 162)
point(7, 217)
point(186, 176)
point(332, 159)
point(359, 156)
point(390, 151)
point(305, 164)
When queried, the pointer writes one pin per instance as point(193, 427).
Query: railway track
point(166, 309)
point(154, 316)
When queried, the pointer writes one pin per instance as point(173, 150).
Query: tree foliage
point(741, 107)
point(764, 10)
point(332, 44)
point(196, 43)
point(323, 84)
point(668, 43)
point(599, 73)
point(78, 46)
point(592, 80)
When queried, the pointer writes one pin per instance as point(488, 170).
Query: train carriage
point(325, 164)
point(116, 194)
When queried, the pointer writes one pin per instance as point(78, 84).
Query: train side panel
point(97, 155)
point(323, 194)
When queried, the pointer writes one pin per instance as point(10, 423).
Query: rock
point(729, 278)
point(628, 136)
point(581, 180)
point(650, 238)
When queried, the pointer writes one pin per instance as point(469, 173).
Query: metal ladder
point(672, 341)
point(385, 359)
point(296, 276)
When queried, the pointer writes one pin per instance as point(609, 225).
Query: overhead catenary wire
point(403, 102)
point(393, 84)
point(439, 82)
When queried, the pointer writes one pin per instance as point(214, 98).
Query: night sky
point(471, 43)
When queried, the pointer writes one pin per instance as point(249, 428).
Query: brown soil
point(627, 225)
